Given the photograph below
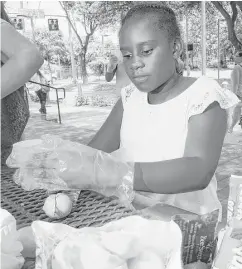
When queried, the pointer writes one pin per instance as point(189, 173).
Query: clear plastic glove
point(56, 164)
point(112, 64)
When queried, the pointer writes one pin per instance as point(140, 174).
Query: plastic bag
point(230, 249)
point(11, 247)
point(235, 199)
point(55, 165)
point(199, 237)
point(122, 244)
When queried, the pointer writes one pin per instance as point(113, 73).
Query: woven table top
point(91, 209)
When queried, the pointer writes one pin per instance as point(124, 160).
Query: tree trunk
point(232, 37)
point(83, 68)
point(51, 79)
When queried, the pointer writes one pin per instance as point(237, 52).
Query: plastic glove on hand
point(56, 164)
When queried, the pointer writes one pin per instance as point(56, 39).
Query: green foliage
point(192, 10)
point(95, 100)
point(97, 67)
point(102, 101)
point(83, 101)
point(106, 15)
point(51, 44)
point(92, 15)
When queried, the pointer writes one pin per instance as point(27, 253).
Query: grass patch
point(96, 101)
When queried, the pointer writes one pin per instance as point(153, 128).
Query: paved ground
point(80, 124)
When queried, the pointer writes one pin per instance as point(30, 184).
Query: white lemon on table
point(57, 206)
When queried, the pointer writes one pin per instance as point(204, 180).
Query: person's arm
point(23, 60)
point(111, 68)
point(235, 80)
point(110, 74)
point(107, 138)
point(194, 171)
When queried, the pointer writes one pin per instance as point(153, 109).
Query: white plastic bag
point(11, 257)
point(122, 244)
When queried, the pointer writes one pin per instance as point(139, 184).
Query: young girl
point(170, 127)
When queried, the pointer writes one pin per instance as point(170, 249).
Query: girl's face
point(147, 53)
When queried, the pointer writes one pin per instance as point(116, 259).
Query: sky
point(50, 7)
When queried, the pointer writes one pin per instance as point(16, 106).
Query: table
point(91, 209)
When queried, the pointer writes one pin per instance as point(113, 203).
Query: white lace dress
point(151, 133)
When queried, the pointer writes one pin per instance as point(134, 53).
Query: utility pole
point(187, 54)
point(203, 22)
point(73, 66)
point(23, 20)
point(218, 47)
point(59, 63)
point(32, 27)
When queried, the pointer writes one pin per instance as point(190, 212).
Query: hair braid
point(166, 18)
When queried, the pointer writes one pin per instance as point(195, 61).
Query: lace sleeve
point(208, 94)
point(126, 93)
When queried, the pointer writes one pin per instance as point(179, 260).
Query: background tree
point(230, 28)
point(92, 16)
point(230, 12)
point(52, 47)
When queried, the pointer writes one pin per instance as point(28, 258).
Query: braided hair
point(165, 18)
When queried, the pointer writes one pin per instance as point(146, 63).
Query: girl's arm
point(194, 171)
point(109, 75)
point(21, 59)
point(107, 138)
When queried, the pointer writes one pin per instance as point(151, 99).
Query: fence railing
point(57, 95)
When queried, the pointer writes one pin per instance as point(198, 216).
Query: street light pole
point(187, 55)
point(203, 20)
point(73, 66)
point(32, 27)
point(59, 63)
point(218, 47)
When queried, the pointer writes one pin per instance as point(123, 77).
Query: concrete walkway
point(79, 124)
